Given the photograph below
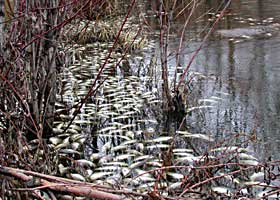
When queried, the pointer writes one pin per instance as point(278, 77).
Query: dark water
point(242, 75)
point(249, 74)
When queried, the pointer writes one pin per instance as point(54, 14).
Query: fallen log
point(35, 181)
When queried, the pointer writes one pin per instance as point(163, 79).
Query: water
point(243, 75)
point(249, 73)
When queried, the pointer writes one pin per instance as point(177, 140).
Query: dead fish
point(77, 177)
point(222, 190)
point(63, 170)
point(64, 143)
point(55, 140)
point(99, 175)
point(160, 139)
point(123, 157)
point(108, 168)
point(83, 162)
point(69, 151)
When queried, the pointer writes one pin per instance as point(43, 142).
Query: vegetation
point(77, 120)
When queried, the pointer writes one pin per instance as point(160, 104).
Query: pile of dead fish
point(115, 140)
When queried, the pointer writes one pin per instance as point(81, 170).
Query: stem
point(201, 46)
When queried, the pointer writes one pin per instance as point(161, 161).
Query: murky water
point(250, 73)
point(242, 75)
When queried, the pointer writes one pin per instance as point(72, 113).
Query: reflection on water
point(245, 75)
point(249, 72)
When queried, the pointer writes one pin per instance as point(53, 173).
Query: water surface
point(243, 75)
